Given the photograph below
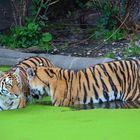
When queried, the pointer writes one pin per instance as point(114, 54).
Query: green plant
point(33, 32)
point(45, 41)
point(110, 55)
point(112, 12)
point(81, 4)
point(109, 35)
point(131, 51)
point(27, 36)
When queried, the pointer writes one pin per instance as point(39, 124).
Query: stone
point(6, 17)
point(8, 57)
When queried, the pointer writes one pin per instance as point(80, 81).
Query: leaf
point(32, 26)
point(46, 37)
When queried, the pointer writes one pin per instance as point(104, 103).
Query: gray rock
point(11, 57)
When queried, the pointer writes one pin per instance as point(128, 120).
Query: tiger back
point(116, 80)
point(14, 83)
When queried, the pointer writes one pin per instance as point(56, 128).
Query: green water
point(40, 122)
point(44, 122)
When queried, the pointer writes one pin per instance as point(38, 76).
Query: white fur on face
point(3, 89)
point(7, 104)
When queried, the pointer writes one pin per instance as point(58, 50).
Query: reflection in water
point(111, 105)
point(106, 105)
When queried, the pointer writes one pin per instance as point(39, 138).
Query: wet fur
point(18, 87)
point(116, 80)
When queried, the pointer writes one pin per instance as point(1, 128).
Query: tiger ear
point(30, 73)
point(17, 72)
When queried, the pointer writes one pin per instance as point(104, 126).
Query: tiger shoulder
point(116, 80)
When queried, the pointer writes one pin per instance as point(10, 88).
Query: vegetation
point(131, 50)
point(110, 55)
point(27, 36)
point(31, 28)
point(4, 68)
point(109, 35)
point(30, 31)
point(48, 122)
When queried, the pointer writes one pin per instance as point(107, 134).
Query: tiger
point(110, 81)
point(14, 87)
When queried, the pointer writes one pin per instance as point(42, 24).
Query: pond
point(105, 105)
point(110, 105)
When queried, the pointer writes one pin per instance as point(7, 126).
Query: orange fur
point(16, 83)
point(116, 80)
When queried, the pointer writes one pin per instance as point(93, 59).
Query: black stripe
point(27, 65)
point(105, 89)
point(69, 73)
point(71, 87)
point(103, 69)
point(80, 80)
point(110, 66)
point(66, 90)
point(116, 67)
point(103, 83)
point(51, 71)
point(135, 90)
point(100, 100)
point(1, 108)
point(85, 94)
point(91, 100)
point(122, 65)
point(95, 92)
point(54, 101)
point(118, 77)
point(112, 84)
point(94, 77)
point(77, 96)
point(48, 73)
point(32, 61)
point(38, 59)
point(45, 83)
point(124, 83)
point(59, 74)
point(127, 68)
point(87, 79)
point(47, 61)
point(133, 79)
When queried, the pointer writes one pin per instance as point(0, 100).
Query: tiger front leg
point(57, 102)
point(22, 103)
point(62, 102)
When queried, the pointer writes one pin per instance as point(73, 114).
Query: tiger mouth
point(35, 96)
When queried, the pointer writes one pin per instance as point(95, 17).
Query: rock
point(137, 43)
point(8, 57)
point(89, 52)
point(114, 43)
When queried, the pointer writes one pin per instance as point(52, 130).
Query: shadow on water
point(106, 105)
point(110, 105)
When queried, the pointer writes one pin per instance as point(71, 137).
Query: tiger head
point(10, 84)
point(39, 81)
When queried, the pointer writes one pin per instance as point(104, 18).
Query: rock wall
point(6, 17)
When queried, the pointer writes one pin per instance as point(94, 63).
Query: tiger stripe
point(116, 80)
point(17, 89)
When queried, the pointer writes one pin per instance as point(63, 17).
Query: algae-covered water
point(44, 122)
point(40, 122)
